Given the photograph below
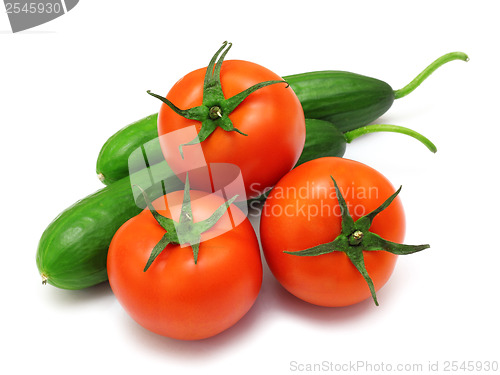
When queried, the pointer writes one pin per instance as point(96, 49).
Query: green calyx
point(355, 238)
point(215, 108)
point(185, 231)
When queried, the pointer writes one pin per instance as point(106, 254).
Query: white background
point(68, 85)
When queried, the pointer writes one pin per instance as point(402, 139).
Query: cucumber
point(322, 139)
point(351, 100)
point(72, 250)
point(113, 160)
point(348, 100)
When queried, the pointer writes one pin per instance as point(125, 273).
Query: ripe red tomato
point(175, 297)
point(271, 117)
point(302, 211)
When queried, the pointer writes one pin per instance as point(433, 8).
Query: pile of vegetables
point(170, 230)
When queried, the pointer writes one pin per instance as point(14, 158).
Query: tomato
point(271, 119)
point(175, 297)
point(303, 211)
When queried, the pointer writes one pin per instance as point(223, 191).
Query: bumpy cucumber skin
point(348, 100)
point(322, 139)
point(72, 250)
point(112, 162)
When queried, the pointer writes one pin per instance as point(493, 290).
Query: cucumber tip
point(101, 177)
point(44, 279)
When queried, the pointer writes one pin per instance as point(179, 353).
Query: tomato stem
point(355, 238)
point(215, 113)
point(353, 134)
point(428, 71)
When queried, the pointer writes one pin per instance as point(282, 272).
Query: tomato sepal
point(355, 238)
point(184, 231)
point(215, 108)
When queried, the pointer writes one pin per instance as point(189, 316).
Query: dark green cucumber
point(72, 250)
point(351, 100)
point(113, 160)
point(324, 139)
point(348, 100)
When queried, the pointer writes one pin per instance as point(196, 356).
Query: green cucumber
point(351, 100)
point(72, 250)
point(117, 155)
point(113, 161)
point(324, 139)
point(348, 100)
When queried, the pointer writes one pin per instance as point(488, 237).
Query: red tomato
point(271, 117)
point(176, 297)
point(302, 211)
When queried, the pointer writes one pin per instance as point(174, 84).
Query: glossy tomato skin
point(302, 211)
point(176, 297)
point(272, 117)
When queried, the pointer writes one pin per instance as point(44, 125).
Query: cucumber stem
point(428, 71)
point(44, 279)
point(353, 134)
